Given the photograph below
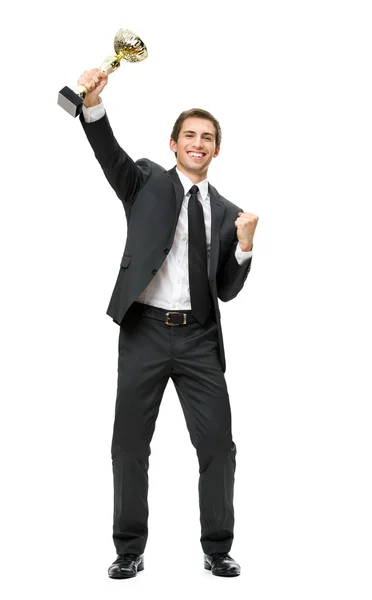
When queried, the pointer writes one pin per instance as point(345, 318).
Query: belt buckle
point(167, 314)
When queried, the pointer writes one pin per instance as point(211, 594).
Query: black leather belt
point(169, 317)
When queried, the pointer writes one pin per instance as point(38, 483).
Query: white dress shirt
point(170, 289)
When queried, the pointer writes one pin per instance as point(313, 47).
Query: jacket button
point(154, 271)
point(166, 250)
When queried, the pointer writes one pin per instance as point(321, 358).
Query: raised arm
point(123, 174)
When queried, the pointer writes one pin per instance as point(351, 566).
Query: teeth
point(195, 155)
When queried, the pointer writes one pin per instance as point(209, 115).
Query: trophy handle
point(81, 91)
point(109, 65)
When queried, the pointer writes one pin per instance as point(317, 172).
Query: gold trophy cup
point(128, 46)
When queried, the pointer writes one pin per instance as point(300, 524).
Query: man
point(186, 247)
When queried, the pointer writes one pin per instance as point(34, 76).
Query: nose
point(198, 143)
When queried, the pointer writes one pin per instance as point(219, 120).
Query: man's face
point(196, 146)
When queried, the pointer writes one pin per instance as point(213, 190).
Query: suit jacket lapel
point(178, 190)
point(218, 211)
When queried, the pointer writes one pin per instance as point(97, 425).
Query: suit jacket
point(152, 199)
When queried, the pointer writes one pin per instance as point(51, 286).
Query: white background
point(290, 84)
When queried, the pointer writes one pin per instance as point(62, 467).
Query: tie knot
point(194, 189)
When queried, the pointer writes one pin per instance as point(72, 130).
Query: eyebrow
point(204, 133)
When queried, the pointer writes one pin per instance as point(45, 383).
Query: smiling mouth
point(196, 155)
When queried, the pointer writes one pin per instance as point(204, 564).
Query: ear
point(173, 145)
point(216, 152)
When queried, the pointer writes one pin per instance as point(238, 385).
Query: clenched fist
point(246, 224)
point(94, 80)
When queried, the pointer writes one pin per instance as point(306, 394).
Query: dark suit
point(152, 199)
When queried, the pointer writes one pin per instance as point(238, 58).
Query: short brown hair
point(201, 114)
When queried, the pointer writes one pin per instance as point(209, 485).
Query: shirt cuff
point(93, 113)
point(241, 256)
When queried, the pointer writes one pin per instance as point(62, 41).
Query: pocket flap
point(125, 261)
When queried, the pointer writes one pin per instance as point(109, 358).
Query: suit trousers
point(151, 352)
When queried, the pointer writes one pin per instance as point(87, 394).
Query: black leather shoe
point(126, 565)
point(221, 564)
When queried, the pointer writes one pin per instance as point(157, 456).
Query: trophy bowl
point(129, 46)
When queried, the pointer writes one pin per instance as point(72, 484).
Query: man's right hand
point(94, 80)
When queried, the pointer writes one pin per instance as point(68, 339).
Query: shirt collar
point(187, 184)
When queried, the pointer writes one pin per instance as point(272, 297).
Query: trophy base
point(70, 101)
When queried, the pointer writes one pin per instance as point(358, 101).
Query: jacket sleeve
point(231, 276)
point(123, 174)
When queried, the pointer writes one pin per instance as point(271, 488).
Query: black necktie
point(198, 274)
